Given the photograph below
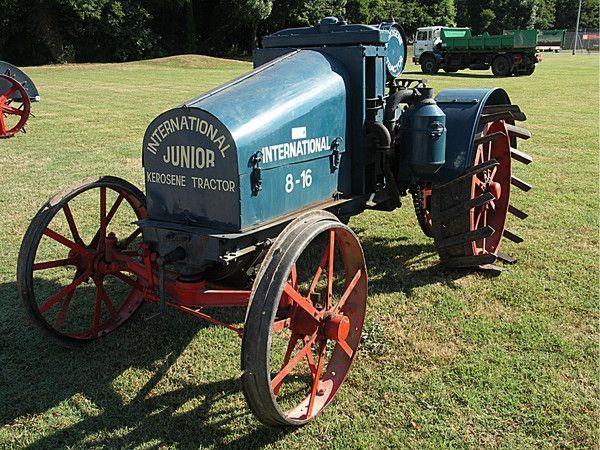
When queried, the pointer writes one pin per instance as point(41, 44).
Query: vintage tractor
point(249, 188)
point(17, 92)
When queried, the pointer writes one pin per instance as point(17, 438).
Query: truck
point(551, 40)
point(453, 49)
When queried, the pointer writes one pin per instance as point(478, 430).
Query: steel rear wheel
point(69, 288)
point(15, 106)
point(469, 214)
point(304, 322)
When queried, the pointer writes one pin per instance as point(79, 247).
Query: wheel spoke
point(63, 310)
point(317, 378)
point(2, 124)
point(318, 273)
point(347, 292)
point(131, 237)
point(109, 216)
point(485, 214)
point(330, 262)
point(66, 242)
point(97, 312)
point(301, 301)
point(276, 382)
point(478, 218)
point(10, 92)
point(72, 226)
point(480, 184)
point(310, 359)
point(51, 264)
point(286, 358)
point(106, 300)
point(493, 174)
point(102, 230)
point(294, 277)
point(12, 110)
point(282, 324)
point(64, 291)
point(129, 281)
point(347, 349)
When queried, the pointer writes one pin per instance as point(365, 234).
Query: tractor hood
point(228, 154)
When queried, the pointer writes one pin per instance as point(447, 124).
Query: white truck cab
point(425, 40)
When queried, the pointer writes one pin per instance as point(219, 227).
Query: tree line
point(55, 31)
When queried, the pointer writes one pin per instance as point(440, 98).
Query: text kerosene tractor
point(248, 190)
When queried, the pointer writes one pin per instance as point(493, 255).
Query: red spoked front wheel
point(68, 277)
point(304, 322)
point(15, 106)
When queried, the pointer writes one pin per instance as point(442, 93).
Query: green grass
point(452, 359)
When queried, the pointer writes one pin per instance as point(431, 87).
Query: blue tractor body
point(317, 124)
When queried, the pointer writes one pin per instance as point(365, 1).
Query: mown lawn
point(452, 359)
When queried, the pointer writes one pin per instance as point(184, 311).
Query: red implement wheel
point(470, 212)
point(304, 321)
point(12, 118)
point(421, 196)
point(69, 288)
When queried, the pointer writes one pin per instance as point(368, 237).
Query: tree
point(566, 14)
point(495, 16)
point(301, 13)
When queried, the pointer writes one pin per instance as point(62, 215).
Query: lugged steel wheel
point(68, 287)
point(12, 119)
point(304, 321)
point(469, 213)
point(421, 196)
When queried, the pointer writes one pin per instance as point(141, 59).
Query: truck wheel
point(304, 321)
point(530, 70)
point(429, 65)
point(501, 66)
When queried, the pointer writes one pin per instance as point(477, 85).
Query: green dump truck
point(454, 49)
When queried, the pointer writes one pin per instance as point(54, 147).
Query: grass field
point(452, 359)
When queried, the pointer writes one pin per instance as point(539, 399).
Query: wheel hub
point(337, 327)
point(495, 189)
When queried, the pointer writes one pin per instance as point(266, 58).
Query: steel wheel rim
point(496, 181)
point(88, 265)
point(6, 108)
point(332, 368)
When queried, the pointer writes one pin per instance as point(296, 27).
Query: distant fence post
point(577, 28)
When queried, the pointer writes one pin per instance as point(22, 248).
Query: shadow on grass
point(397, 266)
point(37, 376)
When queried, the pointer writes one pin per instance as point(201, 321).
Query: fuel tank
point(258, 148)
point(424, 126)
